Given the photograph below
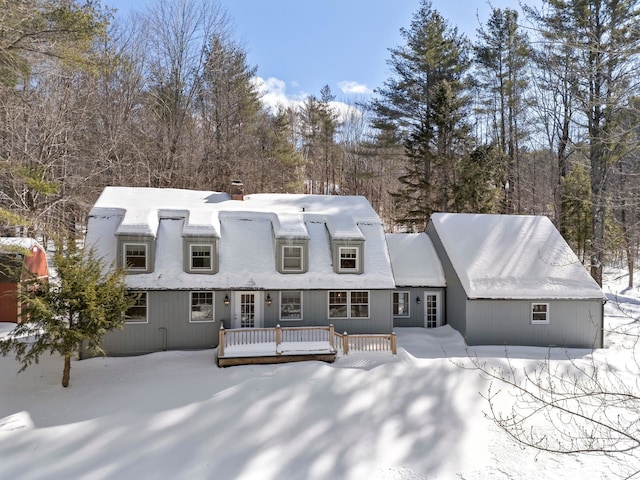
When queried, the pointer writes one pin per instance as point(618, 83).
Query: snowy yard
point(175, 415)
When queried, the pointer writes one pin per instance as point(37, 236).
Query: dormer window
point(348, 256)
point(135, 256)
point(135, 253)
point(292, 258)
point(200, 255)
point(292, 255)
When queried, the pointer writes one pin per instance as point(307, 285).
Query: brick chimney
point(237, 190)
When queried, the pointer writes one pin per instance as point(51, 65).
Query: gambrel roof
point(247, 231)
point(512, 257)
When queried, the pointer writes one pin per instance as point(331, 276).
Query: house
point(196, 260)
point(20, 259)
point(418, 300)
point(513, 280)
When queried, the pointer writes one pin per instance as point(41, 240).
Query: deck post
point(393, 342)
point(278, 336)
point(345, 343)
point(221, 341)
point(331, 333)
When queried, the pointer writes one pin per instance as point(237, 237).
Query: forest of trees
point(540, 114)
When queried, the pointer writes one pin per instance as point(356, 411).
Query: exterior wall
point(456, 297)
point(572, 323)
point(167, 327)
point(315, 312)
point(8, 302)
point(416, 311)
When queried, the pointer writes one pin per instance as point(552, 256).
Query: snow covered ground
point(175, 415)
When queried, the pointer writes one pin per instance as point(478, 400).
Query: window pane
point(135, 256)
point(291, 305)
point(201, 306)
point(201, 257)
point(540, 312)
point(338, 304)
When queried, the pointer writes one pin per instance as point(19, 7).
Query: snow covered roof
point(247, 230)
point(512, 257)
point(414, 260)
point(9, 244)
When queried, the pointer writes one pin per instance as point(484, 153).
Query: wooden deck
point(293, 344)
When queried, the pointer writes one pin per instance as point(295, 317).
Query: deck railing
point(278, 335)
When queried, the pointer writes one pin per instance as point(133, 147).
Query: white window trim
point(540, 322)
point(348, 305)
point(213, 314)
point(300, 248)
point(146, 311)
point(357, 266)
point(301, 308)
point(211, 253)
point(408, 304)
point(124, 257)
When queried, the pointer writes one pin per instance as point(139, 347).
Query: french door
point(246, 310)
point(432, 309)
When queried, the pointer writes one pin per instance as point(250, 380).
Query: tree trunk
point(66, 371)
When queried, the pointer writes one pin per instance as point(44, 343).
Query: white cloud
point(352, 87)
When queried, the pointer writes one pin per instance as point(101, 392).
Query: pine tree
point(425, 101)
point(70, 312)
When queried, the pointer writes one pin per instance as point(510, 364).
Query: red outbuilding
point(20, 259)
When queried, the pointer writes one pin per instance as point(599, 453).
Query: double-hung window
point(291, 305)
point(201, 257)
point(135, 256)
point(292, 258)
point(539, 313)
point(349, 260)
point(137, 313)
point(400, 304)
point(349, 304)
point(202, 306)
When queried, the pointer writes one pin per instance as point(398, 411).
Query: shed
point(20, 258)
point(513, 279)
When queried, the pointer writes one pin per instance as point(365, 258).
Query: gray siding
point(572, 323)
point(168, 327)
point(456, 297)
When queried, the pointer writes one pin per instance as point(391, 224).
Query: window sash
point(201, 255)
point(201, 307)
point(135, 256)
point(292, 258)
point(137, 313)
point(401, 304)
point(291, 305)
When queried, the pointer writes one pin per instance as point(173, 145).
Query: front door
point(246, 310)
point(432, 309)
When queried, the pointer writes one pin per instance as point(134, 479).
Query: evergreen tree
point(70, 312)
point(425, 101)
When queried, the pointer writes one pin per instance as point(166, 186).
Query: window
point(400, 304)
point(291, 305)
point(348, 304)
point(348, 259)
point(202, 306)
point(135, 256)
point(201, 257)
point(539, 313)
point(137, 313)
point(292, 258)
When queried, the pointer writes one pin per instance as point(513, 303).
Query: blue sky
point(301, 45)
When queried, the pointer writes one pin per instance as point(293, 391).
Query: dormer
point(291, 243)
point(348, 255)
point(201, 242)
point(136, 253)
